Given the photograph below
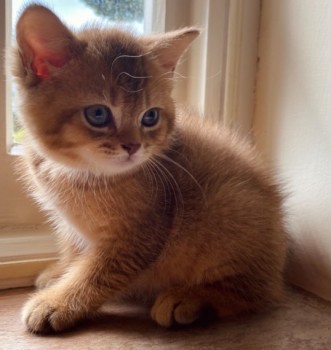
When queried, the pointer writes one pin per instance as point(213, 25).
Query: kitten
point(149, 201)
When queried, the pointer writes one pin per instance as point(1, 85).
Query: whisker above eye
point(125, 56)
point(130, 56)
point(133, 76)
point(131, 91)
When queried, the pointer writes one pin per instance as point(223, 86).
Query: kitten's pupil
point(98, 116)
point(98, 113)
point(151, 117)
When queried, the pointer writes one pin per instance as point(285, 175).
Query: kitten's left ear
point(169, 47)
point(43, 40)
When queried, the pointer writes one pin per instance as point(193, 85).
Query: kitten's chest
point(94, 208)
point(87, 205)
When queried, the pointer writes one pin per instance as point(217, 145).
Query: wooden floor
point(302, 323)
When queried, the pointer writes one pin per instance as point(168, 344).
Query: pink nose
point(131, 148)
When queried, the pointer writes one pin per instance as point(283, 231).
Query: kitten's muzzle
point(131, 148)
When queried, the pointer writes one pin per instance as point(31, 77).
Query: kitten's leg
point(91, 279)
point(50, 275)
point(183, 305)
point(53, 272)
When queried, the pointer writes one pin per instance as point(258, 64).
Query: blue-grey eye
point(98, 116)
point(151, 117)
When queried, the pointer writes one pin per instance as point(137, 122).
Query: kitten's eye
point(98, 116)
point(151, 117)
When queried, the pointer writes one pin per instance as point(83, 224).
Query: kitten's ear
point(169, 47)
point(43, 40)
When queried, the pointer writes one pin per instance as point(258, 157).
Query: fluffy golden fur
point(180, 215)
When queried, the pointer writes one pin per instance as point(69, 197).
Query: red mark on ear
point(40, 65)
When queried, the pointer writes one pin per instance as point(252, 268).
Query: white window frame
point(25, 243)
point(12, 201)
point(220, 71)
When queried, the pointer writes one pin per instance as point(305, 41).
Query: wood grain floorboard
point(302, 323)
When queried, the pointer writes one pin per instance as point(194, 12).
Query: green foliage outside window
point(118, 10)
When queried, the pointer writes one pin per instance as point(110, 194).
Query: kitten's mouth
point(129, 159)
point(125, 164)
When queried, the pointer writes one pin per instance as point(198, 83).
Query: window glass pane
point(75, 14)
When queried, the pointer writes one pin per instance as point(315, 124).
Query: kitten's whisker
point(131, 91)
point(178, 153)
point(163, 156)
point(130, 56)
point(195, 77)
point(178, 197)
point(157, 82)
point(149, 174)
point(157, 173)
point(133, 76)
point(178, 76)
point(160, 179)
point(168, 76)
point(104, 94)
point(125, 56)
point(173, 180)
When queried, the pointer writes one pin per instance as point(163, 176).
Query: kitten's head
point(98, 100)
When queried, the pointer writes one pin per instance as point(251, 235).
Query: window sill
point(24, 252)
point(303, 322)
point(17, 274)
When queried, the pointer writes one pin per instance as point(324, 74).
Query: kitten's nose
point(131, 148)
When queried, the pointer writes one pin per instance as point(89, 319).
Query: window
point(219, 72)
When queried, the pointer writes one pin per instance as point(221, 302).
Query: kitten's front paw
point(176, 306)
point(46, 313)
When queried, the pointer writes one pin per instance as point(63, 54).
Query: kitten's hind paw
point(176, 306)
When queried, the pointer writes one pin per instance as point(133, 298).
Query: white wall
point(293, 126)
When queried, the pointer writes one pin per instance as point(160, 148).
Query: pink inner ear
point(43, 56)
point(40, 63)
point(40, 67)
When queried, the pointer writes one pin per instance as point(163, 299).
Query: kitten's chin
point(112, 167)
point(117, 168)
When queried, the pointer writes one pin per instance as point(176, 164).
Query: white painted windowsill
point(24, 252)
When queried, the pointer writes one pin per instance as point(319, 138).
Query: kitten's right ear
point(169, 47)
point(43, 40)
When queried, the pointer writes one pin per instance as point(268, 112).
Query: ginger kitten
point(148, 201)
